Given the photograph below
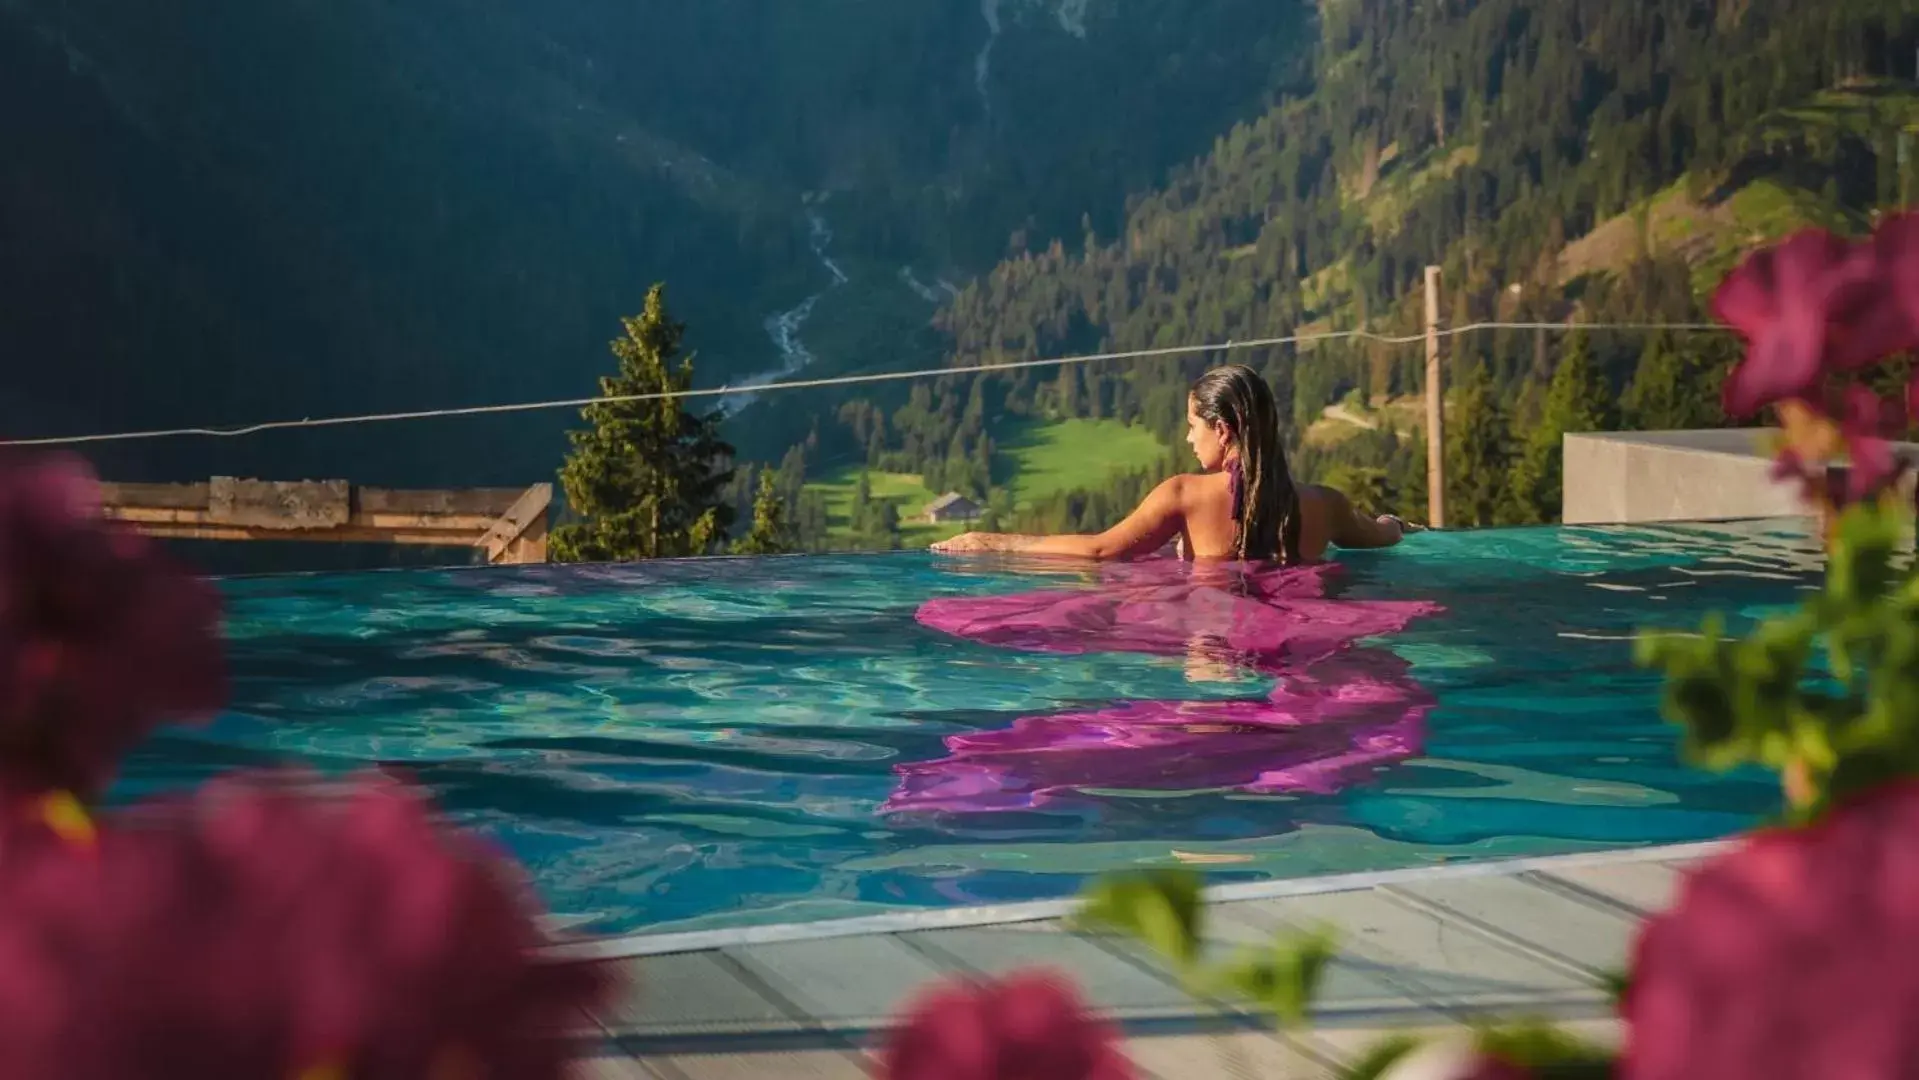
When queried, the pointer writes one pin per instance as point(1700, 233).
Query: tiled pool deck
point(1421, 949)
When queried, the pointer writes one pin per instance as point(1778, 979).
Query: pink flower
point(1795, 955)
point(1790, 466)
point(255, 931)
point(1866, 420)
point(1807, 307)
point(1896, 243)
point(1028, 1027)
point(101, 638)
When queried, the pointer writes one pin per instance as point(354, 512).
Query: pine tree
point(1478, 451)
point(886, 530)
point(1068, 391)
point(1407, 480)
point(998, 515)
point(770, 534)
point(1368, 488)
point(647, 480)
point(1675, 388)
point(1576, 400)
point(862, 509)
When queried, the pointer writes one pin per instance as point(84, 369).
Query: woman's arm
point(1145, 530)
point(1352, 529)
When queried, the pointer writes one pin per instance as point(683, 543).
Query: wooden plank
point(609, 1062)
point(803, 1064)
point(1639, 888)
point(530, 546)
point(1111, 984)
point(580, 1025)
point(1241, 1055)
point(161, 515)
point(488, 503)
point(689, 994)
point(155, 496)
point(1585, 937)
point(1605, 1031)
point(278, 504)
point(1447, 965)
point(347, 535)
point(1349, 1044)
point(510, 526)
point(468, 527)
point(1345, 988)
point(857, 982)
point(1346, 1045)
point(438, 502)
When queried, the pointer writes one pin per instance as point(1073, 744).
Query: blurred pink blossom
point(101, 637)
point(256, 930)
point(1896, 244)
point(1807, 307)
point(1784, 301)
point(1029, 1026)
point(1866, 421)
point(1794, 955)
point(1814, 307)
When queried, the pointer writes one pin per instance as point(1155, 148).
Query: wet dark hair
point(1265, 502)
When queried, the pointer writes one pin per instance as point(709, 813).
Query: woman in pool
point(1244, 506)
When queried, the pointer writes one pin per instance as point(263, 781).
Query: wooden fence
point(508, 524)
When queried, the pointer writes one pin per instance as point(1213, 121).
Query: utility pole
point(1435, 413)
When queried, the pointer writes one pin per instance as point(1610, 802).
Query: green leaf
point(1831, 688)
point(1161, 908)
point(1615, 984)
point(1543, 1050)
point(1379, 1057)
point(1283, 979)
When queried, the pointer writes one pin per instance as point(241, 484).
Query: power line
point(846, 380)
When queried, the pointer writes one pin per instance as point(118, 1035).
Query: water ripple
point(707, 743)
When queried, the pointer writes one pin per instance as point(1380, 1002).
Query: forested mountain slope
point(1561, 160)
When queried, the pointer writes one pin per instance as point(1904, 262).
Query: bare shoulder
point(1323, 497)
point(1181, 488)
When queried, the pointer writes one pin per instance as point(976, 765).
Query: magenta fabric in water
point(1335, 709)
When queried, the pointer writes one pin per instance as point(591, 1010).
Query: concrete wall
point(1617, 478)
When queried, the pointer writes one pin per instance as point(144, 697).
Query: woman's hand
point(965, 542)
point(1401, 524)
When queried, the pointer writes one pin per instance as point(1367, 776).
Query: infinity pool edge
point(633, 946)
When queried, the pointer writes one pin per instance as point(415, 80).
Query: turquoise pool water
point(711, 743)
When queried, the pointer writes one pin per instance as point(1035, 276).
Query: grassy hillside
point(1042, 460)
point(1709, 219)
point(906, 492)
point(1039, 461)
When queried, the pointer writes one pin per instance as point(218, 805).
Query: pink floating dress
point(1334, 711)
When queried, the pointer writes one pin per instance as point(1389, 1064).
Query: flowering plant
point(101, 637)
point(1789, 957)
point(255, 928)
point(1815, 311)
point(1025, 1027)
point(1829, 694)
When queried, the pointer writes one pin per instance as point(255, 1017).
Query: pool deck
point(1423, 949)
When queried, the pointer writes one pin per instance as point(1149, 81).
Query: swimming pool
point(715, 743)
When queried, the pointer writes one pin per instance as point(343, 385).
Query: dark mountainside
point(223, 212)
point(246, 212)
